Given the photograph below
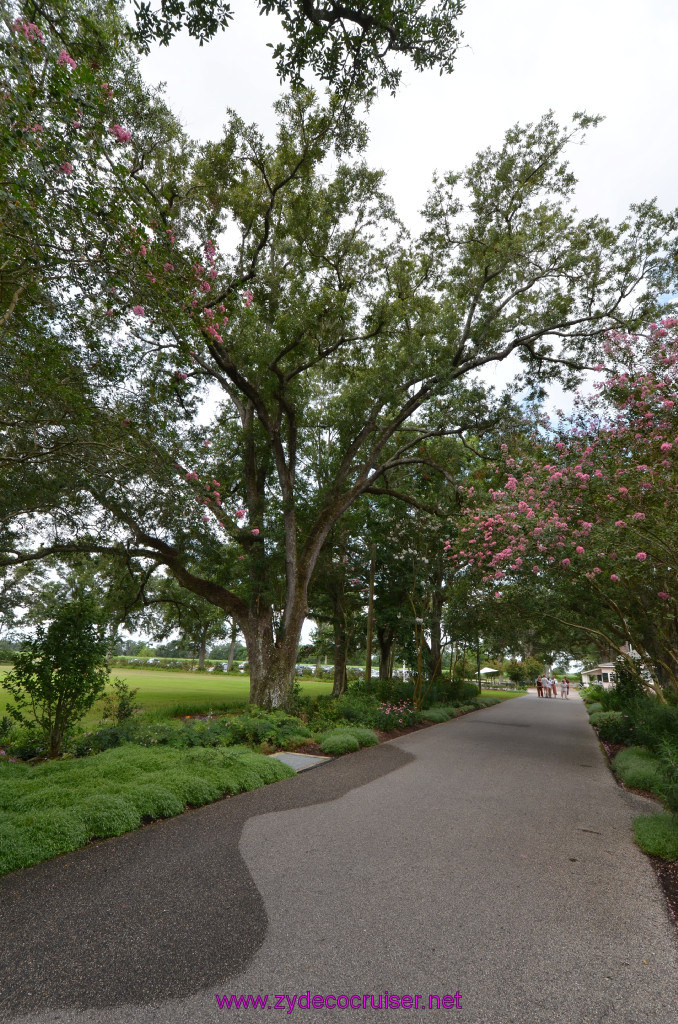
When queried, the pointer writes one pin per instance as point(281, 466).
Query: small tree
point(57, 679)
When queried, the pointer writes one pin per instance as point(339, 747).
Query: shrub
point(653, 723)
point(394, 716)
point(658, 835)
point(639, 769)
point(119, 704)
point(612, 726)
point(60, 674)
point(365, 737)
point(26, 742)
point(592, 692)
point(334, 743)
point(595, 707)
point(668, 763)
point(434, 715)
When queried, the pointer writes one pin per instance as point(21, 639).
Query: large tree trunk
point(385, 640)
point(340, 645)
point(202, 651)
point(271, 662)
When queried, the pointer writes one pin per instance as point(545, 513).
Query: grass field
point(197, 691)
point(500, 694)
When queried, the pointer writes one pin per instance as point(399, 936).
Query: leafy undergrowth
point(59, 806)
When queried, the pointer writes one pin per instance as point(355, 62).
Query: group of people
point(547, 686)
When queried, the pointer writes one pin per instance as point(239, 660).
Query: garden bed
point(665, 870)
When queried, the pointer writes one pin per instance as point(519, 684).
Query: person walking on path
point(563, 688)
point(540, 687)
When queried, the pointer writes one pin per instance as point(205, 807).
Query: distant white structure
point(602, 673)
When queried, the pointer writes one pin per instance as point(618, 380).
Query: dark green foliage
point(658, 835)
point(612, 726)
point(639, 769)
point(593, 692)
point(595, 707)
point(25, 742)
point(253, 728)
point(60, 674)
point(60, 805)
point(668, 763)
point(654, 722)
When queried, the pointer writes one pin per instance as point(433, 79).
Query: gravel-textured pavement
point(490, 856)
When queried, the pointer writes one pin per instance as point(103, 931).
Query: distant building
point(602, 673)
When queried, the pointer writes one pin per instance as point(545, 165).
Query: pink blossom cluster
point(30, 31)
point(120, 133)
point(65, 58)
point(608, 491)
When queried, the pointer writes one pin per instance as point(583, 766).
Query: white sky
point(610, 57)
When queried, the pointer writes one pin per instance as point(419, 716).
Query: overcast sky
point(518, 59)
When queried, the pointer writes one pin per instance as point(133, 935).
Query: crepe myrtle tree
point(588, 509)
point(298, 307)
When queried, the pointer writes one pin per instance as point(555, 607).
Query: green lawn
point(197, 691)
point(500, 694)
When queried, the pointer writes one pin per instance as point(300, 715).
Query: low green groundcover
point(657, 834)
point(59, 806)
point(639, 769)
point(345, 739)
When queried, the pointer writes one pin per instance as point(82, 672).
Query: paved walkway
point(491, 855)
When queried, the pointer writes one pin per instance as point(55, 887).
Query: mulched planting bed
point(665, 870)
point(667, 873)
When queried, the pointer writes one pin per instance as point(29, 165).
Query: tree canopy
point(220, 349)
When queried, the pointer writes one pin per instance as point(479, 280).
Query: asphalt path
point(491, 856)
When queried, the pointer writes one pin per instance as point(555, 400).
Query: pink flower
point(207, 444)
point(565, 561)
point(142, 250)
point(138, 310)
point(662, 593)
point(77, 124)
point(67, 168)
point(248, 297)
point(65, 58)
point(614, 578)
point(30, 31)
point(121, 134)
point(579, 549)
point(641, 556)
point(167, 267)
point(240, 513)
point(255, 532)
